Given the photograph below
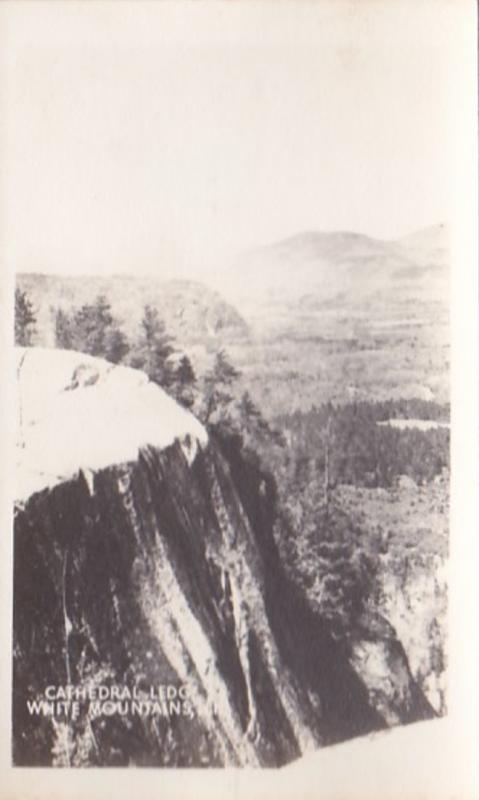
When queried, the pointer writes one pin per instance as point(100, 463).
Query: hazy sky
point(140, 137)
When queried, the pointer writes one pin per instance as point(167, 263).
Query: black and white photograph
point(230, 233)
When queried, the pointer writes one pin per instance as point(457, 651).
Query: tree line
point(215, 397)
point(331, 558)
point(348, 444)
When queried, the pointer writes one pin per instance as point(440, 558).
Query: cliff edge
point(149, 592)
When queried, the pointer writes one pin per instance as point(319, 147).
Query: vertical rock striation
point(161, 570)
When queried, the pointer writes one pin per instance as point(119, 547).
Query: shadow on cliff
point(319, 662)
point(124, 579)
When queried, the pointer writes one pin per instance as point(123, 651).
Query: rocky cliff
point(153, 622)
point(420, 585)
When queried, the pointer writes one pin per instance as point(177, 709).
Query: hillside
point(360, 267)
point(191, 312)
point(341, 315)
point(314, 317)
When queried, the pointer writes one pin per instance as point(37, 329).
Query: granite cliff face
point(421, 586)
point(145, 563)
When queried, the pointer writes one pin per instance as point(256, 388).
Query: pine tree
point(63, 333)
point(185, 382)
point(154, 348)
point(254, 424)
point(91, 329)
point(25, 319)
point(90, 326)
point(116, 345)
point(217, 387)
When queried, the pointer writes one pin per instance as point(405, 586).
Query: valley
point(319, 368)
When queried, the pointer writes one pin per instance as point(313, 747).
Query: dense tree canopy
point(153, 348)
point(91, 329)
point(217, 388)
point(25, 319)
point(361, 451)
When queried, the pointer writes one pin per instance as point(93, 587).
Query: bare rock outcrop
point(146, 572)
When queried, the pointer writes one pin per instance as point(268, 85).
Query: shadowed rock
point(144, 557)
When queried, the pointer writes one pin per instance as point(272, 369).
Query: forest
point(333, 555)
point(347, 442)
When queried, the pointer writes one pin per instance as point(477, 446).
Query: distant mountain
point(429, 246)
point(345, 245)
point(349, 266)
point(341, 314)
point(320, 315)
point(191, 311)
point(314, 245)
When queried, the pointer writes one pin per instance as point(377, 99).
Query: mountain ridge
point(327, 240)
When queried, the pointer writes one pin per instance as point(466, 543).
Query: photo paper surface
point(231, 239)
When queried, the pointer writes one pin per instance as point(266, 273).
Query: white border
point(429, 760)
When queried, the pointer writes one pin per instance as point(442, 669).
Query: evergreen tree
point(254, 424)
point(91, 329)
point(185, 382)
point(217, 388)
point(25, 319)
point(63, 333)
point(185, 373)
point(153, 349)
point(116, 345)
